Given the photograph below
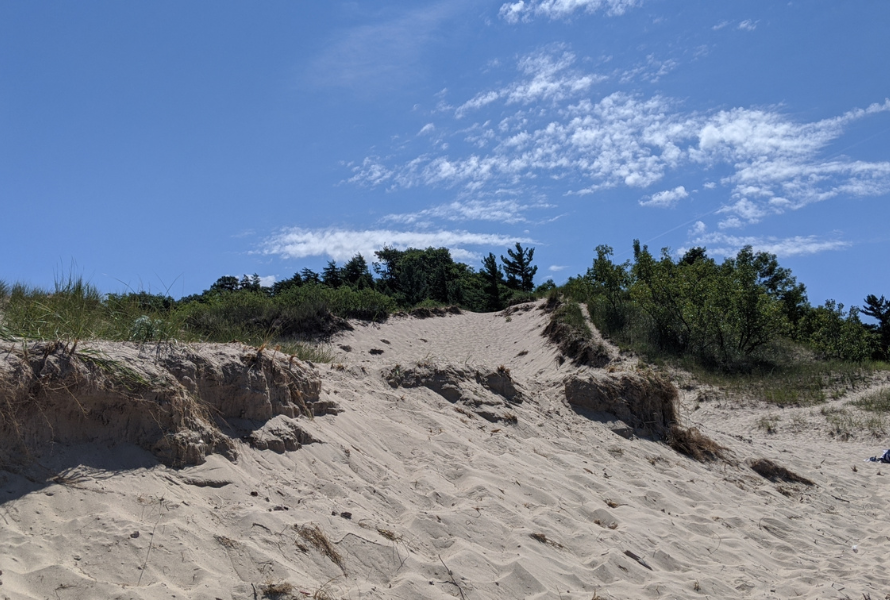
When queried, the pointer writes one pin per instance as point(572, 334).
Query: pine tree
point(331, 275)
point(879, 309)
point(491, 274)
point(520, 273)
point(310, 276)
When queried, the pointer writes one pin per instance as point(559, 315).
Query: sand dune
point(444, 461)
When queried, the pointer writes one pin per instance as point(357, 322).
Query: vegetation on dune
point(744, 324)
point(291, 314)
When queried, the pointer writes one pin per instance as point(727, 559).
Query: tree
point(493, 278)
point(355, 273)
point(610, 281)
point(226, 283)
point(412, 276)
point(836, 334)
point(310, 276)
point(286, 284)
point(879, 310)
point(250, 283)
point(520, 273)
point(331, 275)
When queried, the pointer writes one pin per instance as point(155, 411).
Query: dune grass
point(878, 402)
point(800, 382)
point(293, 321)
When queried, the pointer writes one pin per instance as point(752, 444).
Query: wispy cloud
point(747, 25)
point(343, 244)
point(523, 10)
point(376, 56)
point(547, 75)
point(720, 244)
point(502, 211)
point(665, 199)
point(558, 133)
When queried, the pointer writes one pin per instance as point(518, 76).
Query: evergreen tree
point(493, 278)
point(520, 273)
point(286, 284)
point(250, 283)
point(879, 309)
point(310, 276)
point(331, 275)
point(355, 273)
point(226, 283)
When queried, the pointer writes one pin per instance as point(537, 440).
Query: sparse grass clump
point(569, 330)
point(774, 472)
point(768, 423)
point(314, 535)
point(693, 443)
point(878, 401)
point(277, 590)
point(799, 381)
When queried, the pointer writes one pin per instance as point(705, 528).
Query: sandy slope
point(421, 497)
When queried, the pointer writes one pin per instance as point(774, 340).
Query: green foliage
point(520, 274)
point(878, 401)
point(836, 334)
point(724, 315)
point(412, 276)
point(493, 279)
point(879, 309)
point(570, 314)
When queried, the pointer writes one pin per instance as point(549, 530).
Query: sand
point(456, 468)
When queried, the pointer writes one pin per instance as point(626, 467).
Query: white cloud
point(666, 199)
point(267, 280)
point(428, 128)
point(343, 244)
point(775, 163)
point(748, 25)
point(547, 75)
point(372, 58)
point(720, 25)
point(502, 211)
point(513, 12)
point(557, 268)
point(721, 244)
point(730, 223)
point(698, 228)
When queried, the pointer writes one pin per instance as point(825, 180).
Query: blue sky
point(161, 145)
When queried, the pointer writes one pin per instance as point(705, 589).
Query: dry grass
point(277, 590)
point(317, 538)
point(770, 470)
point(540, 537)
point(693, 443)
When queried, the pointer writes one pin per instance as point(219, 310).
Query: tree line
point(409, 278)
point(729, 314)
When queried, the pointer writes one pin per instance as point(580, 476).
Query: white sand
point(428, 486)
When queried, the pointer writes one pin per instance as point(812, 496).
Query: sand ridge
point(420, 496)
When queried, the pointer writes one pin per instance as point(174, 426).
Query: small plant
point(694, 444)
point(277, 590)
point(878, 401)
point(774, 472)
point(768, 423)
point(314, 535)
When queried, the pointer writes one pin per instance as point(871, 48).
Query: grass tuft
point(774, 472)
point(693, 443)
